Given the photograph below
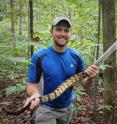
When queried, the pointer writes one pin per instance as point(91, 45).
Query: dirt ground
point(86, 115)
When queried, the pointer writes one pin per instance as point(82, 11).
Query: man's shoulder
point(39, 53)
point(75, 52)
point(79, 58)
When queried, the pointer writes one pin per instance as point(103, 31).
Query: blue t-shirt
point(56, 68)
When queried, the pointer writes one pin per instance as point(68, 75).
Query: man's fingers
point(30, 99)
point(34, 103)
point(92, 70)
point(27, 102)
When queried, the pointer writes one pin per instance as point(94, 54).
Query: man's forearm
point(87, 82)
point(32, 88)
point(33, 92)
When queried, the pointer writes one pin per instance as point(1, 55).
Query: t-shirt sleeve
point(35, 69)
point(80, 61)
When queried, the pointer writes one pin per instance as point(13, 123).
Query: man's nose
point(63, 33)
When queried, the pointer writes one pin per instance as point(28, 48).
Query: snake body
point(56, 93)
point(63, 87)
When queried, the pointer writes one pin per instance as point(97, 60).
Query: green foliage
point(103, 67)
point(15, 89)
point(14, 51)
point(5, 103)
point(78, 93)
point(102, 107)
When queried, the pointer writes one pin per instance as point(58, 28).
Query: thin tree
point(109, 35)
point(20, 16)
point(13, 21)
point(31, 22)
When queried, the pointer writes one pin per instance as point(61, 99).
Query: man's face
point(61, 35)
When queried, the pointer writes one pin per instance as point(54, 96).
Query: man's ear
point(51, 31)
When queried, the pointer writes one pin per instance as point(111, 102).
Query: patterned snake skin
point(55, 94)
point(64, 86)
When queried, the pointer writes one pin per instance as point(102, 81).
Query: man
point(57, 63)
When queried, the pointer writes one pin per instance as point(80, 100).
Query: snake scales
point(56, 93)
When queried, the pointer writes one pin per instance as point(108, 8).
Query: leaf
point(15, 89)
point(103, 67)
point(5, 103)
point(107, 107)
point(20, 87)
point(26, 62)
point(9, 90)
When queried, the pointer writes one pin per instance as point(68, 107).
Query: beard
point(59, 44)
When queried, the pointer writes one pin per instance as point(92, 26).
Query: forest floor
point(85, 115)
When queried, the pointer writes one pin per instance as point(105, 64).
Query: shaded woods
point(25, 27)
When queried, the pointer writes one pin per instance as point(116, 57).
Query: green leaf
point(20, 87)
point(5, 103)
point(9, 90)
point(107, 107)
point(26, 62)
point(15, 89)
point(103, 67)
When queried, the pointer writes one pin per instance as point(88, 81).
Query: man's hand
point(34, 100)
point(92, 71)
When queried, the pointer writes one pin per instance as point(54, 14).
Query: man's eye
point(58, 29)
point(66, 30)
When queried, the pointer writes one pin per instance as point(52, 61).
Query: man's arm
point(92, 71)
point(33, 77)
point(87, 82)
point(32, 88)
point(33, 91)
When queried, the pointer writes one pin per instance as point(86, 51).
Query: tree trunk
point(31, 22)
point(109, 35)
point(13, 21)
point(20, 17)
point(99, 22)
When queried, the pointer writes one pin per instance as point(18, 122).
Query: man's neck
point(58, 49)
